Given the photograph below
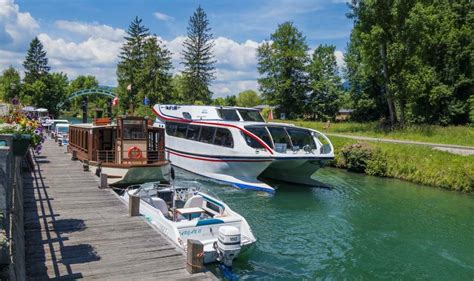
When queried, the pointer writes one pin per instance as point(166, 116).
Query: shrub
point(356, 156)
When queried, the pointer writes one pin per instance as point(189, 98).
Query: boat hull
point(242, 172)
point(297, 170)
point(126, 176)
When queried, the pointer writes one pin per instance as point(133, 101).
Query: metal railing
point(152, 156)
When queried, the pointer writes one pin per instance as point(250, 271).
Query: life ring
point(134, 153)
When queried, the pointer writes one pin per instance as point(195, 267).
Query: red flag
point(115, 101)
point(270, 115)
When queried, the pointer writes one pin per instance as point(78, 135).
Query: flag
point(146, 101)
point(115, 101)
point(270, 115)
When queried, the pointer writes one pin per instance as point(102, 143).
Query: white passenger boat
point(183, 213)
point(236, 145)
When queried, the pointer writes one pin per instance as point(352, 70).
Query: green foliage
point(282, 66)
point(10, 84)
point(231, 100)
point(325, 84)
point(198, 59)
point(248, 98)
point(411, 60)
point(81, 82)
point(218, 101)
point(415, 163)
point(471, 111)
point(355, 156)
point(178, 86)
point(36, 62)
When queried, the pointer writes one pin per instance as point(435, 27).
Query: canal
point(361, 228)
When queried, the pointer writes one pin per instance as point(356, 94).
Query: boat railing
point(152, 156)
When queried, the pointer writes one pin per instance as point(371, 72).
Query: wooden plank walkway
point(75, 230)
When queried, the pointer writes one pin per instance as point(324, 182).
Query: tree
point(248, 98)
point(282, 66)
point(82, 82)
point(325, 83)
point(218, 101)
point(198, 59)
point(47, 92)
point(129, 69)
point(178, 85)
point(36, 62)
point(156, 72)
point(230, 100)
point(10, 84)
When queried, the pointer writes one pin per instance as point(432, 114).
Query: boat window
point(251, 115)
point(280, 139)
point(193, 132)
point(170, 128)
point(301, 138)
point(260, 132)
point(181, 130)
point(228, 114)
point(223, 138)
point(134, 129)
point(207, 134)
point(63, 129)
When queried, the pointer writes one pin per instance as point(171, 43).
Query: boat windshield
point(63, 129)
point(260, 132)
point(300, 138)
point(280, 138)
point(228, 114)
point(251, 115)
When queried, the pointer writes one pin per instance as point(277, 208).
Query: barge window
point(301, 138)
point(207, 134)
point(170, 128)
point(134, 129)
point(181, 130)
point(251, 115)
point(280, 139)
point(228, 114)
point(260, 132)
point(193, 132)
point(223, 138)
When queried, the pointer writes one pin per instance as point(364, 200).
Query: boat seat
point(195, 201)
point(160, 204)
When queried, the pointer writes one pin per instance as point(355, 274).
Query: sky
point(83, 37)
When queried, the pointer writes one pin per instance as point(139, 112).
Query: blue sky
point(84, 36)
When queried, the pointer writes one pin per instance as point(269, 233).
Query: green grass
point(458, 135)
point(419, 164)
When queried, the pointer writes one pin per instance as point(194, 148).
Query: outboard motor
point(228, 244)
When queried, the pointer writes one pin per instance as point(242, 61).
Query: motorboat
point(183, 213)
point(62, 133)
point(129, 151)
point(236, 145)
point(51, 125)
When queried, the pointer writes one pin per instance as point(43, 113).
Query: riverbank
point(414, 163)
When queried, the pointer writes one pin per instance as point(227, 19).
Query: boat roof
point(90, 125)
point(62, 125)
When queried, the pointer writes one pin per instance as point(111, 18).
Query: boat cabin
point(131, 141)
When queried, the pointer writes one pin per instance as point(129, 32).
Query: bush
point(356, 156)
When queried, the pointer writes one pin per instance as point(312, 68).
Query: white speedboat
point(183, 213)
point(236, 145)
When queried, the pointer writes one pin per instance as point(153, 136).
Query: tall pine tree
point(282, 66)
point(198, 59)
point(36, 62)
point(130, 67)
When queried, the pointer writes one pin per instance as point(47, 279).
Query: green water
point(362, 228)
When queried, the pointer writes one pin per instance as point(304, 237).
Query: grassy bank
point(414, 163)
point(459, 135)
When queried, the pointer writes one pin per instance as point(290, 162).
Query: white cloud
point(16, 28)
point(340, 59)
point(235, 55)
point(162, 17)
point(91, 30)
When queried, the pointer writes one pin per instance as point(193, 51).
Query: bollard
point(74, 155)
point(195, 256)
point(103, 181)
point(85, 166)
point(133, 205)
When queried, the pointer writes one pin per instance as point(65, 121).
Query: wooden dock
point(74, 230)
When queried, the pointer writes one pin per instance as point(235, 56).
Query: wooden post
point(103, 181)
point(74, 155)
point(133, 205)
point(195, 256)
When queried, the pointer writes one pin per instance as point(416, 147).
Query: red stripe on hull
point(214, 160)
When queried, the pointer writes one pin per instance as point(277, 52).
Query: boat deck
point(75, 230)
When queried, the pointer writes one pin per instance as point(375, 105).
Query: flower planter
point(20, 144)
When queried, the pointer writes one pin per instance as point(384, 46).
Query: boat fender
point(134, 152)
